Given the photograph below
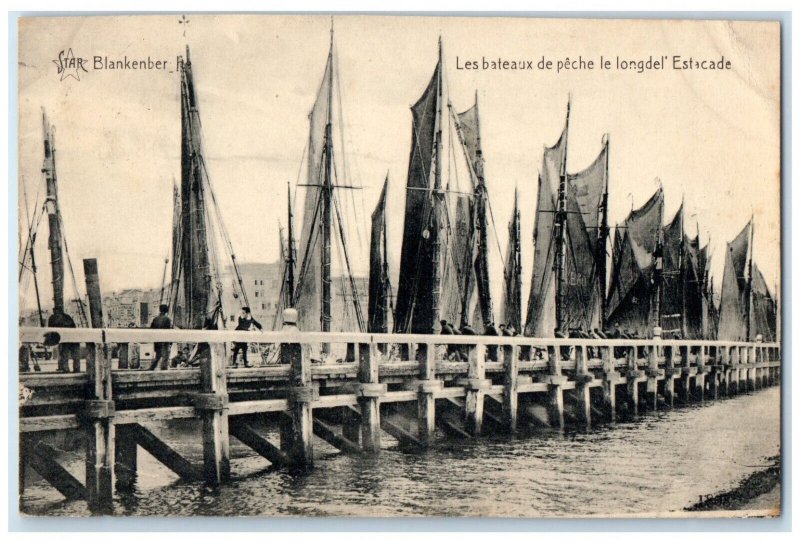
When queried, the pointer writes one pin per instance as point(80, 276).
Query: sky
point(709, 137)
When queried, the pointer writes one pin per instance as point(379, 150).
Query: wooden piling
point(510, 394)
point(582, 387)
point(610, 379)
point(653, 373)
point(426, 388)
point(212, 404)
point(98, 411)
point(300, 395)
point(700, 377)
point(670, 373)
point(555, 389)
point(632, 374)
point(369, 396)
point(475, 385)
point(684, 383)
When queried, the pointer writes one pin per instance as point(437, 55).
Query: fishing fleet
point(587, 278)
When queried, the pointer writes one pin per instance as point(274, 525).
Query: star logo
point(68, 65)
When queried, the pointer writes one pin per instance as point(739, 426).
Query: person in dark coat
point(246, 323)
point(66, 351)
point(448, 330)
point(491, 350)
point(161, 322)
point(466, 330)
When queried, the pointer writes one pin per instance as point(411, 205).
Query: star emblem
point(68, 65)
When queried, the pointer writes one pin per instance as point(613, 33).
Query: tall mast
point(485, 299)
point(51, 205)
point(289, 288)
point(560, 228)
point(657, 276)
point(602, 235)
point(514, 287)
point(749, 298)
point(327, 220)
point(436, 198)
point(385, 284)
point(683, 272)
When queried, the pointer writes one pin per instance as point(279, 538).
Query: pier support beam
point(582, 389)
point(475, 385)
point(510, 394)
point(700, 378)
point(610, 379)
point(555, 390)
point(369, 397)
point(42, 458)
point(426, 399)
point(213, 406)
point(98, 411)
point(653, 373)
point(684, 382)
point(633, 374)
point(247, 435)
point(163, 452)
point(670, 372)
point(300, 395)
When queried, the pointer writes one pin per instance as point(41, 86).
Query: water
point(658, 463)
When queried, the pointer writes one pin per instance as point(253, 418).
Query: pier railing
point(411, 387)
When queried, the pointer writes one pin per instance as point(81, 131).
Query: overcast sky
point(709, 136)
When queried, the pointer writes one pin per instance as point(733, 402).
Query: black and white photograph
point(276, 265)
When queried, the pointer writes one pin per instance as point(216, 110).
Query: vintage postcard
point(390, 266)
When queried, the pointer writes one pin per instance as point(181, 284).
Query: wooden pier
point(351, 404)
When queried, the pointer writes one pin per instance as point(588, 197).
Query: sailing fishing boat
point(473, 226)
point(323, 219)
point(747, 308)
point(196, 288)
point(438, 255)
point(380, 287)
point(512, 280)
point(570, 234)
point(637, 263)
point(684, 293)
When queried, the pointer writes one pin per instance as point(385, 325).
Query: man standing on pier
point(59, 319)
point(246, 323)
point(161, 322)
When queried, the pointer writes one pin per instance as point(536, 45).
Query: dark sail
point(379, 286)
point(477, 248)
point(414, 310)
point(541, 317)
point(512, 285)
point(434, 233)
point(764, 309)
point(734, 307)
point(584, 281)
point(196, 299)
point(675, 278)
point(636, 265)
